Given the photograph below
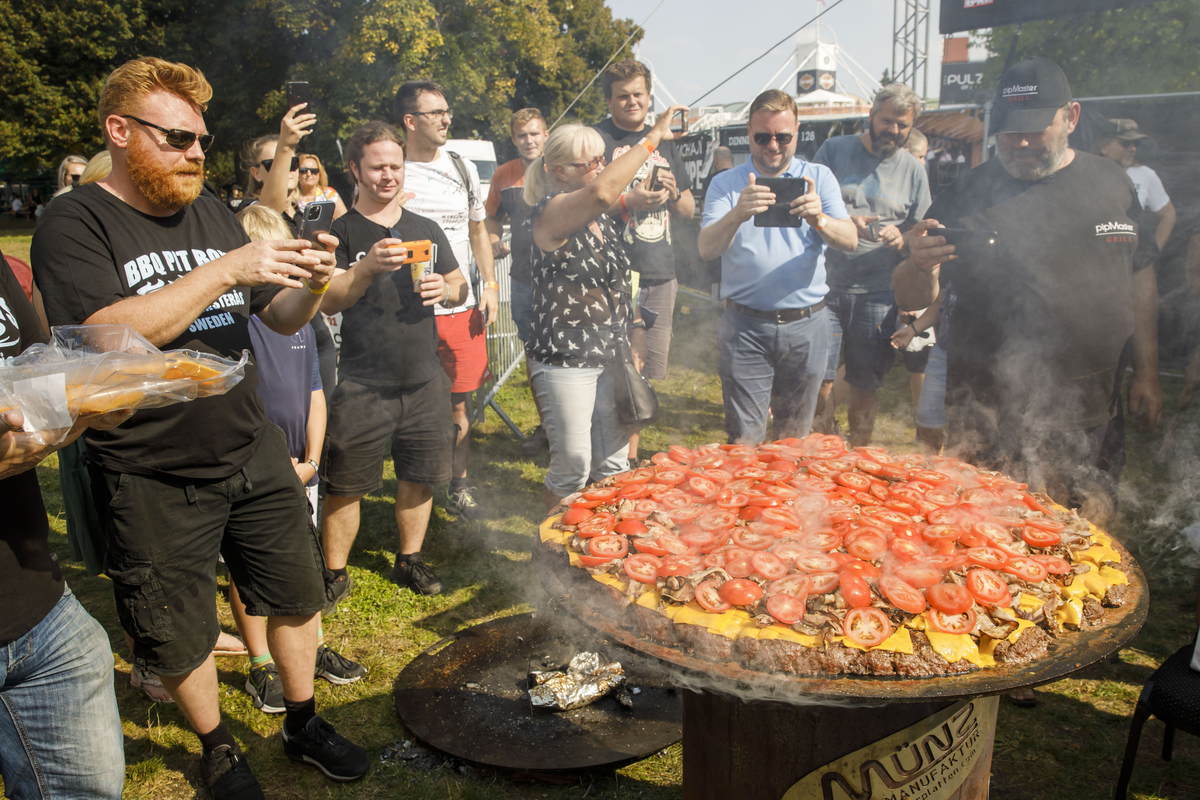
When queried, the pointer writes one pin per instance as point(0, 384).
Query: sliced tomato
point(752, 540)
point(740, 592)
point(832, 516)
point(643, 475)
point(608, 546)
point(680, 565)
point(866, 627)
point(930, 476)
point(1026, 569)
point(853, 480)
point(888, 516)
point(1033, 504)
point(574, 516)
point(647, 505)
point(716, 520)
point(906, 549)
point(870, 466)
point(788, 550)
point(993, 531)
point(894, 472)
point(786, 608)
point(702, 487)
point(780, 516)
point(670, 477)
point(902, 595)
point(697, 537)
point(764, 501)
point(816, 562)
point(988, 588)
point(944, 516)
point(603, 495)
point(632, 491)
point(708, 595)
point(596, 525)
point(941, 498)
point(903, 506)
point(863, 569)
point(824, 582)
point(867, 546)
point(945, 622)
point(769, 565)
point(1053, 564)
point(676, 499)
point(918, 574)
point(594, 561)
point(941, 533)
point(585, 504)
point(949, 598)
point(740, 567)
point(631, 527)
point(823, 540)
point(647, 545)
point(716, 559)
point(952, 560)
point(642, 567)
point(795, 584)
point(855, 589)
point(1035, 537)
point(664, 460)
point(731, 500)
point(990, 557)
point(681, 454)
point(682, 515)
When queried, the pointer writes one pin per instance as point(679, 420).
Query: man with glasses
point(445, 187)
point(1121, 146)
point(774, 332)
point(660, 191)
point(181, 485)
point(886, 191)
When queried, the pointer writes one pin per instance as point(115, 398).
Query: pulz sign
point(963, 83)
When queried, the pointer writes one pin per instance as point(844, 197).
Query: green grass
point(16, 245)
point(1067, 748)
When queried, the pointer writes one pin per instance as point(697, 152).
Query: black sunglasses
point(180, 140)
point(307, 171)
point(267, 162)
point(763, 139)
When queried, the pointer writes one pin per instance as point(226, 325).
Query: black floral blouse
point(573, 322)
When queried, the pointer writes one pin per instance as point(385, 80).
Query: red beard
point(165, 187)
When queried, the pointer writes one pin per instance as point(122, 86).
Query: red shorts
point(462, 347)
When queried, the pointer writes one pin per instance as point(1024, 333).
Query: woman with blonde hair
point(581, 300)
point(314, 185)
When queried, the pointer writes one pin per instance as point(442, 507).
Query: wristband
point(649, 147)
point(641, 323)
point(822, 221)
point(317, 292)
point(312, 462)
point(491, 285)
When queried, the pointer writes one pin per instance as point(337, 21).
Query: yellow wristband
point(319, 292)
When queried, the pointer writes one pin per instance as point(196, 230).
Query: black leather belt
point(781, 316)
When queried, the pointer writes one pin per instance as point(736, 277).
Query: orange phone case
point(419, 251)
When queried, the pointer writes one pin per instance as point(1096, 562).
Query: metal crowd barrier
point(505, 350)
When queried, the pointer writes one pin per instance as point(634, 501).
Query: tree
point(1127, 51)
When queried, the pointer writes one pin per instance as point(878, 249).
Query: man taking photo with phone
point(774, 332)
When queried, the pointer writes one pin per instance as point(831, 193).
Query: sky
point(692, 45)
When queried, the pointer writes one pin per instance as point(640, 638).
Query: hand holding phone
point(298, 93)
point(679, 122)
point(318, 216)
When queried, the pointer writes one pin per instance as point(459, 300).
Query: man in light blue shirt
point(774, 332)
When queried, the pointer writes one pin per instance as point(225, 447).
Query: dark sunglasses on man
point(763, 139)
point(180, 140)
point(267, 162)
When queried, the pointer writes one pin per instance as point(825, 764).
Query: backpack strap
point(461, 166)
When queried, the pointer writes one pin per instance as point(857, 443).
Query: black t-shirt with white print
point(91, 250)
point(389, 337)
point(30, 580)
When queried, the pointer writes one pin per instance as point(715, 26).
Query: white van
point(479, 152)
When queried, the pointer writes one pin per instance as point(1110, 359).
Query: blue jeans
point(521, 295)
point(931, 410)
point(768, 365)
point(60, 733)
point(587, 440)
point(865, 324)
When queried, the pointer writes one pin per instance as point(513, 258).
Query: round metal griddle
point(1067, 654)
point(490, 721)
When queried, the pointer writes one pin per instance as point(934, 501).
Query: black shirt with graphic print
point(573, 321)
point(1038, 329)
point(91, 250)
point(647, 235)
point(30, 580)
point(389, 337)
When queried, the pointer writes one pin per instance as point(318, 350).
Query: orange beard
point(166, 187)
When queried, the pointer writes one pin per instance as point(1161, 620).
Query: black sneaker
point(463, 503)
point(535, 443)
point(266, 689)
point(320, 745)
point(411, 572)
point(228, 776)
point(337, 590)
point(336, 668)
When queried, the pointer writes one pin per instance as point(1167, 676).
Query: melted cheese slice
point(1030, 603)
point(727, 623)
point(987, 645)
point(1070, 612)
point(608, 579)
point(958, 647)
point(549, 533)
point(899, 642)
point(1095, 583)
point(649, 599)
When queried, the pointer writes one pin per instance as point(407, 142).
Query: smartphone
point(785, 190)
point(653, 182)
point(298, 92)
point(418, 251)
point(679, 124)
point(318, 216)
point(969, 240)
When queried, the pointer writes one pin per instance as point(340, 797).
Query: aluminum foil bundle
point(585, 681)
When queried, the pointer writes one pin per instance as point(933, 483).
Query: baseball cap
point(1127, 129)
point(1029, 95)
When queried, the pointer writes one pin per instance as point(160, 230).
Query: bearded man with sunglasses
point(774, 332)
point(180, 485)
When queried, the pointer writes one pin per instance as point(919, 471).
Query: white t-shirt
point(17, 205)
point(440, 195)
point(1150, 191)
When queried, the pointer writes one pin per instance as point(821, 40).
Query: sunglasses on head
point(267, 162)
point(308, 171)
point(180, 140)
point(764, 139)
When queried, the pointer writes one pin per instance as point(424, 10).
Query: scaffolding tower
point(910, 44)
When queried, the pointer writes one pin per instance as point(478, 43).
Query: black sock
point(408, 557)
point(216, 737)
point(338, 574)
point(457, 483)
point(298, 714)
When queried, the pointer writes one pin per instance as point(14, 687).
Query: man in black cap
point(1046, 319)
point(1121, 145)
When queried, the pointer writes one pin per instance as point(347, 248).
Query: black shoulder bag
point(637, 404)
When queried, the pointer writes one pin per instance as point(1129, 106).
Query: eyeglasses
point(598, 161)
point(763, 139)
point(308, 171)
point(267, 162)
point(180, 140)
point(441, 112)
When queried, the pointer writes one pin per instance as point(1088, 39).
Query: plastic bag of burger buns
point(96, 369)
